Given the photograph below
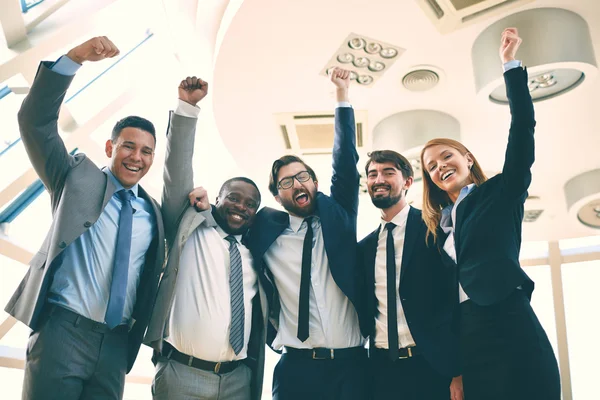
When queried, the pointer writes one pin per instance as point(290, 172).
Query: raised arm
point(178, 174)
point(345, 179)
point(38, 115)
point(520, 151)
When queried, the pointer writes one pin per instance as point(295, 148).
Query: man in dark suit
point(90, 288)
point(410, 295)
point(308, 254)
point(208, 327)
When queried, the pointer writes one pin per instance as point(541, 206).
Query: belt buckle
point(315, 357)
point(409, 351)
point(217, 367)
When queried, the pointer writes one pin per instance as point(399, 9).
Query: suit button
point(403, 299)
point(62, 245)
point(87, 224)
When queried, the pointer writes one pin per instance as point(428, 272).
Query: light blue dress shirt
point(82, 282)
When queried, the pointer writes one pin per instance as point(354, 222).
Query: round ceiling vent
point(420, 80)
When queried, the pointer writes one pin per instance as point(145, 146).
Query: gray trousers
point(176, 381)
point(73, 358)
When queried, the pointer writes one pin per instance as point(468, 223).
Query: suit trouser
point(176, 381)
point(71, 357)
point(306, 379)
point(407, 379)
point(505, 352)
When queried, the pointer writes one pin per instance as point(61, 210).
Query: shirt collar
point(296, 222)
point(118, 185)
point(399, 219)
point(446, 220)
point(224, 234)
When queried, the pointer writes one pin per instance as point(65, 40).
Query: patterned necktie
point(303, 305)
point(118, 287)
point(236, 288)
point(392, 321)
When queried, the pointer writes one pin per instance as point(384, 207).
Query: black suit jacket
point(489, 219)
point(337, 214)
point(428, 293)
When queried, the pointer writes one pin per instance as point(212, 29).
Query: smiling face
point(386, 184)
point(448, 169)
point(131, 155)
point(300, 199)
point(236, 206)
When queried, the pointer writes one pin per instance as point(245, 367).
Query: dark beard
point(385, 202)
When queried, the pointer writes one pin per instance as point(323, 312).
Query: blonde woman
point(476, 222)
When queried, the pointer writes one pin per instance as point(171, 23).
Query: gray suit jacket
point(180, 222)
point(79, 191)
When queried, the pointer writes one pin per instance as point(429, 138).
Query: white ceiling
point(269, 62)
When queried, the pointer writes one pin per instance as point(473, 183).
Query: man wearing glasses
point(310, 258)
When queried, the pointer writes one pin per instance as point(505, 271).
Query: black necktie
point(305, 282)
point(392, 321)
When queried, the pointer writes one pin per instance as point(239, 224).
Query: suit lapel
point(108, 192)
point(370, 255)
point(410, 237)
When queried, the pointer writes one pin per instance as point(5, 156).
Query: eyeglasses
point(288, 181)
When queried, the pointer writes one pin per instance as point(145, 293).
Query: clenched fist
point(95, 49)
point(340, 78)
point(192, 90)
point(199, 199)
point(509, 44)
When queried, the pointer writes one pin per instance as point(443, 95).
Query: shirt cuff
point(65, 66)
point(343, 104)
point(187, 110)
point(511, 65)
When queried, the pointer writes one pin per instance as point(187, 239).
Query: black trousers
point(306, 379)
point(407, 379)
point(73, 358)
point(505, 353)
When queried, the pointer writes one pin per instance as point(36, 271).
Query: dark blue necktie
point(118, 287)
point(236, 287)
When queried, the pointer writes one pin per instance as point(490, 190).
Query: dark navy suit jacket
point(428, 293)
point(489, 219)
point(337, 214)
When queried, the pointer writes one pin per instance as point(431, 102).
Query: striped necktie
point(236, 287)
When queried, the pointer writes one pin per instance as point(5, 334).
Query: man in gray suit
point(208, 327)
point(89, 290)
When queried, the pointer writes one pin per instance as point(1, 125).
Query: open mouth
point(382, 189)
point(448, 174)
point(237, 217)
point(132, 168)
point(301, 198)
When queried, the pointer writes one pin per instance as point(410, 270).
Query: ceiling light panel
point(366, 58)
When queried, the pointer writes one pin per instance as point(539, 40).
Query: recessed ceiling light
point(388, 52)
point(365, 79)
point(376, 66)
point(353, 75)
point(356, 43)
point(361, 62)
point(345, 58)
point(373, 48)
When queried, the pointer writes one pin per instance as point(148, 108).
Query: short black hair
point(383, 156)
point(228, 182)
point(132, 122)
point(281, 162)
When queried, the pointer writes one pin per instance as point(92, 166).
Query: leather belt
point(321, 353)
point(404, 352)
point(224, 367)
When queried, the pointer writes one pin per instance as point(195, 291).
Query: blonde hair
point(434, 198)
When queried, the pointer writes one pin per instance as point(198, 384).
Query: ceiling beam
point(13, 23)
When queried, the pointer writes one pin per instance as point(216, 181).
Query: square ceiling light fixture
point(367, 59)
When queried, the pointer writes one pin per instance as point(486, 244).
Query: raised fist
point(95, 49)
point(509, 44)
point(192, 90)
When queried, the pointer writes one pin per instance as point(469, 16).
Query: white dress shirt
point(200, 317)
point(333, 321)
point(405, 338)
